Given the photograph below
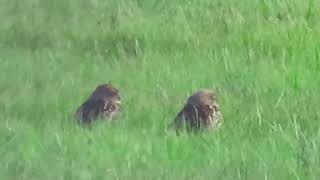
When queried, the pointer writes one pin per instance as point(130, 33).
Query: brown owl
point(201, 111)
point(104, 103)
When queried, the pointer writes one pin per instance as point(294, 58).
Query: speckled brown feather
point(104, 103)
point(201, 111)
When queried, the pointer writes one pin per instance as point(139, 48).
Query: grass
point(262, 57)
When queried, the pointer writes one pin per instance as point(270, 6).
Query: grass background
point(262, 57)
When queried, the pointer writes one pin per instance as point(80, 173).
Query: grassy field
point(262, 57)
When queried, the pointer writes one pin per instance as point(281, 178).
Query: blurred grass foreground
point(262, 58)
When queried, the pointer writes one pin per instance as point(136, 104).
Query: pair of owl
point(200, 112)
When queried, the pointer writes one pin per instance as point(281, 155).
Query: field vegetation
point(262, 57)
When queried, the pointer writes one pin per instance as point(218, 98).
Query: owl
point(104, 103)
point(200, 112)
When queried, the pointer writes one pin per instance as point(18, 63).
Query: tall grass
point(262, 58)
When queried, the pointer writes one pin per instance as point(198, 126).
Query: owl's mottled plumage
point(201, 111)
point(104, 103)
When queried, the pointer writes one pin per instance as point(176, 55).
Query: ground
point(262, 58)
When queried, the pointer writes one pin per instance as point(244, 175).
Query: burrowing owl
point(201, 111)
point(104, 103)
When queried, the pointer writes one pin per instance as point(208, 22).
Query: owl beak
point(118, 102)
